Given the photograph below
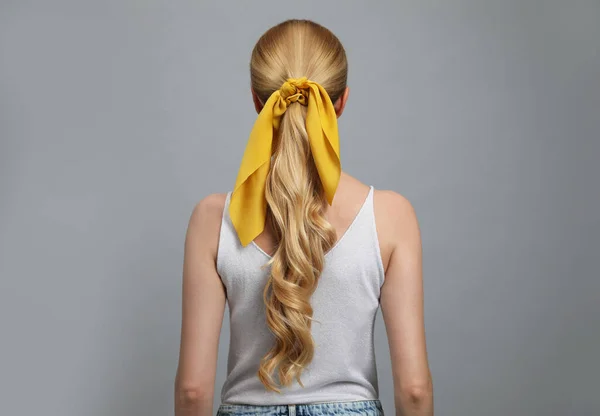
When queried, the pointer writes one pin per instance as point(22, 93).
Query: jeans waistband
point(325, 408)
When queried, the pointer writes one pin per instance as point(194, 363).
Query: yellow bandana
point(248, 206)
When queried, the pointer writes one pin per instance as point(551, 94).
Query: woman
point(303, 254)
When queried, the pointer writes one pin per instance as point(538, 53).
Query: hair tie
point(295, 90)
point(248, 206)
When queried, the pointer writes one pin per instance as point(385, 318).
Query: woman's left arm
point(203, 306)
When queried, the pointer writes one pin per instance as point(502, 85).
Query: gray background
point(116, 117)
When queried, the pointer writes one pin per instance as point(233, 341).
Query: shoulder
point(393, 208)
point(205, 219)
point(208, 209)
point(396, 222)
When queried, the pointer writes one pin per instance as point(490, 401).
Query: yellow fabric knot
point(295, 90)
point(248, 206)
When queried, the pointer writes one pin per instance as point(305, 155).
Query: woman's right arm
point(402, 309)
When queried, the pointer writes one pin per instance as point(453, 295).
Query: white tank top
point(345, 304)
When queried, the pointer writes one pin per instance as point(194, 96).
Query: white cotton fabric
point(345, 304)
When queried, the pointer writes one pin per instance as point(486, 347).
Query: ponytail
point(289, 174)
point(296, 203)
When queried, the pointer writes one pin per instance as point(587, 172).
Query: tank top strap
point(229, 244)
point(376, 250)
point(360, 243)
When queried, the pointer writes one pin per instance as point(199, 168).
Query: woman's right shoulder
point(205, 220)
point(209, 208)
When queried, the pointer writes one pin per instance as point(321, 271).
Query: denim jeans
point(354, 408)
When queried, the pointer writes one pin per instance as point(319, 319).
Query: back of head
point(297, 48)
point(293, 190)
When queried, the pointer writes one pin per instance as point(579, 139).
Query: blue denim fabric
point(354, 408)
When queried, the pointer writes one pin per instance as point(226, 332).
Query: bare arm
point(402, 304)
point(203, 305)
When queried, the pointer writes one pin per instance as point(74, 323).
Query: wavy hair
point(294, 194)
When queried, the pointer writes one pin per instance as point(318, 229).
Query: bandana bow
point(248, 206)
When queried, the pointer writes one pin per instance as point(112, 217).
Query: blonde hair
point(296, 202)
